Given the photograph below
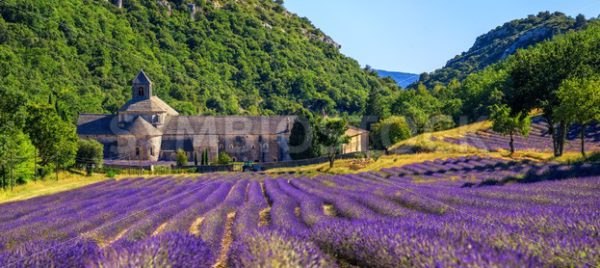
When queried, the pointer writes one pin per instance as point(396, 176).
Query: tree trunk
point(583, 140)
point(331, 160)
point(512, 144)
point(552, 133)
point(562, 135)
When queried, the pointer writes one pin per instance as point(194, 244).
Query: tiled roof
point(228, 125)
point(96, 124)
point(142, 78)
point(89, 124)
point(153, 104)
point(140, 126)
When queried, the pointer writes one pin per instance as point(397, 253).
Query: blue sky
point(418, 36)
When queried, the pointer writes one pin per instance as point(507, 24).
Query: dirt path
point(226, 242)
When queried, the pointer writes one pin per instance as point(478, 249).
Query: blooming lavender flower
point(165, 250)
point(268, 248)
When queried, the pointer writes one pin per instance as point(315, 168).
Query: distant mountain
point(403, 79)
point(502, 42)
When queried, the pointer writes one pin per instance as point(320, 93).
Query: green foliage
point(481, 90)
point(224, 159)
point(181, 158)
point(245, 57)
point(579, 100)
point(111, 173)
point(55, 139)
point(505, 123)
point(536, 75)
point(500, 43)
point(331, 136)
point(390, 131)
point(90, 154)
point(205, 159)
point(579, 103)
point(425, 111)
point(17, 157)
point(303, 143)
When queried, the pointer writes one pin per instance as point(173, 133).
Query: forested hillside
point(502, 42)
point(227, 57)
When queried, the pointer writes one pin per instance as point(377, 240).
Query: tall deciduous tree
point(535, 76)
point(331, 135)
point(55, 139)
point(17, 157)
point(303, 142)
point(506, 123)
point(579, 103)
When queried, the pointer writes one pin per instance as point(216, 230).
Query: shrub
point(390, 131)
point(111, 173)
point(181, 158)
point(90, 153)
point(224, 159)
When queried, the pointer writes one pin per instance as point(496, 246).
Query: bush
point(224, 159)
point(181, 158)
point(111, 173)
point(90, 153)
point(390, 131)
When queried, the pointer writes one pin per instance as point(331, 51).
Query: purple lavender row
point(377, 203)
point(311, 207)
point(50, 226)
point(247, 218)
point(212, 229)
point(183, 221)
point(269, 248)
point(283, 209)
point(180, 201)
point(344, 205)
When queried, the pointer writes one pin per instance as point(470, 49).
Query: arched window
point(141, 91)
point(137, 151)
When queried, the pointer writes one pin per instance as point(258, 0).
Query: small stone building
point(148, 129)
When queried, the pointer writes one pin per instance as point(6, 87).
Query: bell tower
point(141, 87)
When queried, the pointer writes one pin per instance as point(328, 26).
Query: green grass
point(67, 181)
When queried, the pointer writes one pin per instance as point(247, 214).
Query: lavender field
point(538, 140)
point(467, 212)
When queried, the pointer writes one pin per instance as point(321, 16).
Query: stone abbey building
point(148, 129)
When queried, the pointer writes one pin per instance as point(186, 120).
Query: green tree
point(55, 139)
point(17, 157)
point(579, 103)
point(331, 135)
point(181, 158)
point(302, 142)
point(224, 158)
point(90, 154)
point(535, 76)
point(390, 131)
point(507, 124)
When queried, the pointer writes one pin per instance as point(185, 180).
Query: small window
point(140, 91)
point(152, 151)
point(137, 151)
